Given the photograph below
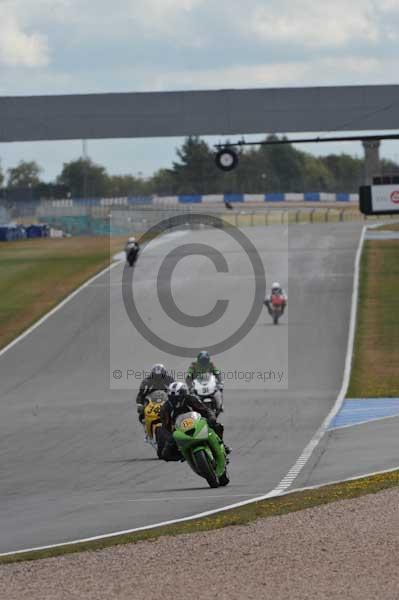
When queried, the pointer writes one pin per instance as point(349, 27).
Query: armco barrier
point(276, 197)
point(126, 220)
point(190, 199)
point(80, 206)
point(233, 197)
point(311, 197)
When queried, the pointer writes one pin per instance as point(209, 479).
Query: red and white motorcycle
point(276, 306)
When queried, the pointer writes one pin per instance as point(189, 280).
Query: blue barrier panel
point(11, 233)
point(139, 200)
point(31, 231)
point(342, 197)
point(275, 197)
point(86, 201)
point(190, 198)
point(233, 197)
point(5, 233)
point(21, 232)
point(311, 196)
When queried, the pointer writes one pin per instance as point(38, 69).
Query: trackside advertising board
point(379, 199)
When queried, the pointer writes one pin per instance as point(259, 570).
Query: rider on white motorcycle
point(132, 249)
point(276, 290)
point(202, 365)
point(204, 379)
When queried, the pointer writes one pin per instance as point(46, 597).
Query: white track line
point(287, 481)
point(363, 422)
point(314, 442)
point(198, 516)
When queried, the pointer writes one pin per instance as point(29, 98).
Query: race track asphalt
point(73, 461)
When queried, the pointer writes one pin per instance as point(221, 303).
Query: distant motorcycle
point(276, 307)
point(207, 389)
point(132, 255)
point(152, 421)
point(202, 448)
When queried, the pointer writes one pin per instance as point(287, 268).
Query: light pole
point(85, 155)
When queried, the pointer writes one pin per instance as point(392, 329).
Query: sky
point(83, 46)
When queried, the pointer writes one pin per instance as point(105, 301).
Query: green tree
point(195, 172)
point(389, 167)
point(163, 183)
point(346, 171)
point(316, 175)
point(84, 178)
point(24, 175)
point(127, 185)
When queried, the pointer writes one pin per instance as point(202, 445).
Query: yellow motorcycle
point(152, 422)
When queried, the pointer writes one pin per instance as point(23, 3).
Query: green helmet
point(204, 360)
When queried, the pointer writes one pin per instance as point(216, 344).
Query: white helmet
point(131, 240)
point(276, 286)
point(177, 389)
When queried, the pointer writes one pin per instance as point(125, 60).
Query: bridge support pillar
point(372, 165)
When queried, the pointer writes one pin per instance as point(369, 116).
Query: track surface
point(73, 461)
point(354, 451)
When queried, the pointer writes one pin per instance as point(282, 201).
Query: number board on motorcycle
point(277, 300)
point(187, 424)
point(153, 409)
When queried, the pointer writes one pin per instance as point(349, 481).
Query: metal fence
point(122, 220)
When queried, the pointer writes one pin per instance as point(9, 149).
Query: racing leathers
point(168, 415)
point(148, 385)
point(279, 293)
point(195, 370)
point(131, 249)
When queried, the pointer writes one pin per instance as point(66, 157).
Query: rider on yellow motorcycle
point(157, 380)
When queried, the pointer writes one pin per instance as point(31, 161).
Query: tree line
point(279, 168)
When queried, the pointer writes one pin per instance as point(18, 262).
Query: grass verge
point(392, 227)
point(375, 370)
point(240, 516)
point(35, 275)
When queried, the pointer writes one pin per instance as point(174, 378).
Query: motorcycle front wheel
point(205, 469)
point(160, 439)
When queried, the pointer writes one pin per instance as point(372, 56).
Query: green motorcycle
point(202, 448)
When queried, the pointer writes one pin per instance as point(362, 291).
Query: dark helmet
point(177, 391)
point(204, 360)
point(158, 370)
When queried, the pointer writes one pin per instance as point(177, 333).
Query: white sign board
point(385, 197)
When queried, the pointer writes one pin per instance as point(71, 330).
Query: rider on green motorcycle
point(180, 401)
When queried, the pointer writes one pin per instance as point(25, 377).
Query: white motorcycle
point(209, 391)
